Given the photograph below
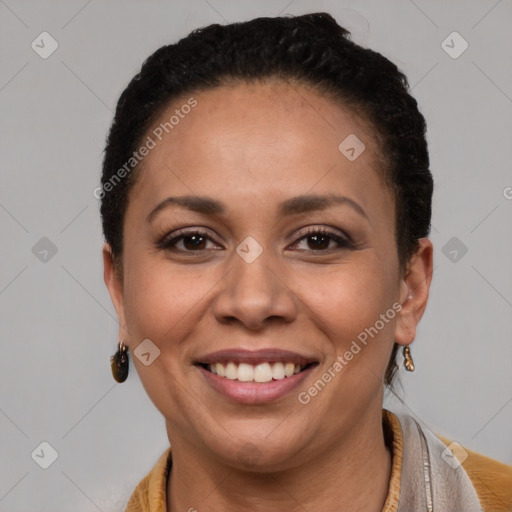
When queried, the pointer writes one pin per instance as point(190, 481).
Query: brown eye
point(321, 240)
point(191, 241)
point(318, 242)
point(194, 242)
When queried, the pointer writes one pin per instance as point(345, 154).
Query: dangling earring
point(119, 363)
point(408, 362)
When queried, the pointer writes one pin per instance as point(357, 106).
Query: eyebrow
point(294, 206)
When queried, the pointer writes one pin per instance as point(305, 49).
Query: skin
point(252, 146)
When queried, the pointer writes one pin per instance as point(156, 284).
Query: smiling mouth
point(262, 372)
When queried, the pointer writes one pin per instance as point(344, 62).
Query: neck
point(352, 476)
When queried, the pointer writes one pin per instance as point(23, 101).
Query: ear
point(414, 289)
point(113, 281)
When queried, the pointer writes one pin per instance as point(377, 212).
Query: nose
point(256, 294)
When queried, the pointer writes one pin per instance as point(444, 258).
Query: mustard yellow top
point(491, 479)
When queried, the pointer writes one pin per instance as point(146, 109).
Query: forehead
point(271, 140)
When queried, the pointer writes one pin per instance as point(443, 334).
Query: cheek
point(354, 295)
point(353, 306)
point(160, 304)
point(164, 306)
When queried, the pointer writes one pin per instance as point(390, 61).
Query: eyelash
point(343, 242)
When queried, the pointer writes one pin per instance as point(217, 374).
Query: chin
point(263, 448)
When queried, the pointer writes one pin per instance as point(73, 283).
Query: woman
point(266, 203)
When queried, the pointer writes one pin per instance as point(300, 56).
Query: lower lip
point(255, 392)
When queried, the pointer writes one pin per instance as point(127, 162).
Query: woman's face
point(277, 248)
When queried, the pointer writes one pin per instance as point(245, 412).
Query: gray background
point(58, 327)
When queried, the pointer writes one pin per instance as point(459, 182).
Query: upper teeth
point(263, 372)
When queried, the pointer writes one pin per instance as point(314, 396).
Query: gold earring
point(408, 362)
point(119, 363)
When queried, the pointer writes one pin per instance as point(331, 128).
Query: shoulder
point(491, 479)
point(150, 493)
